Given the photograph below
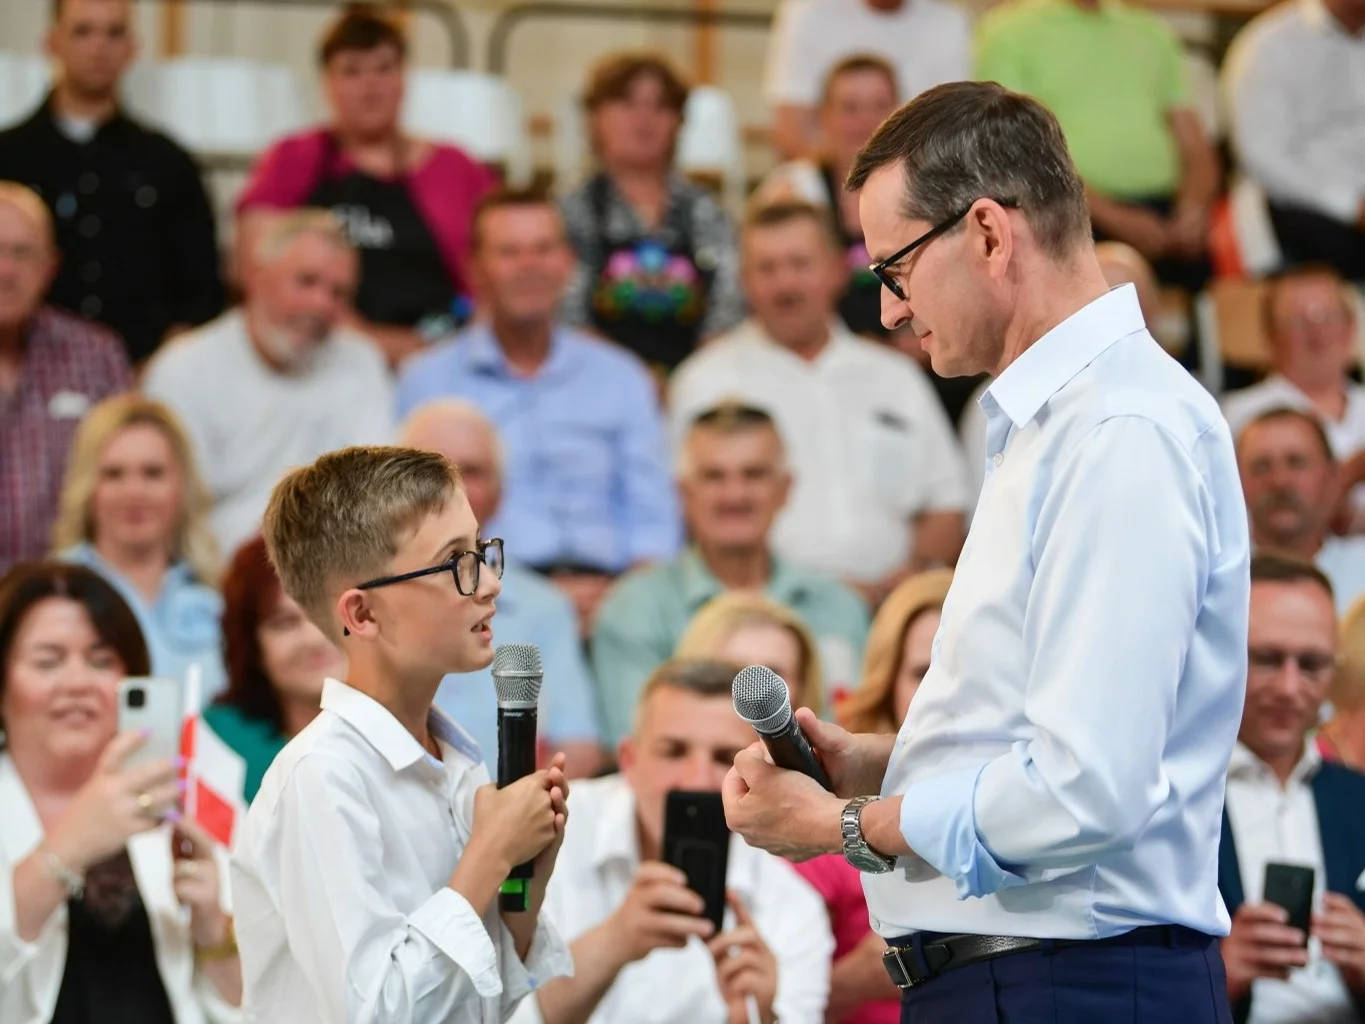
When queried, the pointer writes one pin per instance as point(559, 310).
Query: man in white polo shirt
point(879, 482)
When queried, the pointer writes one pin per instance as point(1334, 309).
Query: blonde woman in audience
point(134, 509)
point(659, 268)
point(1342, 739)
point(94, 880)
point(749, 628)
point(898, 650)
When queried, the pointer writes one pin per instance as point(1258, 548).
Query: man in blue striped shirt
point(1040, 842)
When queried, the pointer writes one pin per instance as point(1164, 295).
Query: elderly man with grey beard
point(276, 382)
point(1289, 477)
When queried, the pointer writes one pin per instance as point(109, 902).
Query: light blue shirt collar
point(485, 355)
point(1046, 366)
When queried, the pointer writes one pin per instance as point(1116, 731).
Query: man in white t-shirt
point(1309, 317)
point(1289, 476)
point(928, 42)
point(879, 485)
point(275, 383)
point(642, 951)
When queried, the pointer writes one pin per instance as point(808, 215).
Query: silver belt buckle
point(893, 955)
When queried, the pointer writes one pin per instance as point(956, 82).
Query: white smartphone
point(154, 706)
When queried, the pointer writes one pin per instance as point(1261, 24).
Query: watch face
point(868, 862)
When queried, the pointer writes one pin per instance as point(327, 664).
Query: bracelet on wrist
point(224, 950)
point(72, 881)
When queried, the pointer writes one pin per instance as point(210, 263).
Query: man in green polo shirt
point(734, 481)
point(1114, 77)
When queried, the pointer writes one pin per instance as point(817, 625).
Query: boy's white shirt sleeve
point(365, 960)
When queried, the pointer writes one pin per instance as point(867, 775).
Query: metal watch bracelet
point(73, 881)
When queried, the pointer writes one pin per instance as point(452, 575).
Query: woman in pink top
point(898, 649)
point(407, 204)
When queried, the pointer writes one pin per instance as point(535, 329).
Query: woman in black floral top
point(658, 262)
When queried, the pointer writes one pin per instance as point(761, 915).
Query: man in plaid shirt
point(53, 368)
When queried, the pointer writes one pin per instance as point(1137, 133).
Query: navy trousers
point(1083, 984)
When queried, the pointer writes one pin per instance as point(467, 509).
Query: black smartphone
point(697, 842)
point(1291, 886)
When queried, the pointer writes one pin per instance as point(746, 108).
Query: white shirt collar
point(616, 837)
point(839, 337)
point(1244, 764)
point(23, 831)
point(386, 734)
point(1050, 362)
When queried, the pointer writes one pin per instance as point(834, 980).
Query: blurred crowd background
point(602, 258)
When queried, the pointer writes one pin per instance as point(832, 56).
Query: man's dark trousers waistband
point(1158, 974)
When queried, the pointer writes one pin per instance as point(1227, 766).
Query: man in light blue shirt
point(1040, 842)
point(588, 492)
point(530, 610)
point(734, 481)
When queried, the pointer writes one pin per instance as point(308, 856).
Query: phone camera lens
point(137, 697)
point(692, 811)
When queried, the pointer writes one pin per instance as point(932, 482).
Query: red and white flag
point(215, 774)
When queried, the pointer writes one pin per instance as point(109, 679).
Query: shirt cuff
point(938, 820)
point(547, 959)
point(449, 923)
point(14, 951)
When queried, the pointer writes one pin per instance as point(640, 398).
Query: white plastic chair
point(711, 141)
point(480, 113)
point(24, 80)
point(220, 104)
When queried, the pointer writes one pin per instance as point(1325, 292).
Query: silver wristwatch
point(856, 850)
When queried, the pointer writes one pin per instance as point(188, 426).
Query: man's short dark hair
point(504, 199)
point(361, 28)
point(702, 677)
point(776, 212)
point(858, 64)
point(1278, 567)
point(1288, 412)
point(1275, 283)
point(965, 141)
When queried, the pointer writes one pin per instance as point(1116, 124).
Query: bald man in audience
point(531, 610)
point(54, 366)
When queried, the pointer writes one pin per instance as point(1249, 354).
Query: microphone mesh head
point(762, 699)
point(517, 673)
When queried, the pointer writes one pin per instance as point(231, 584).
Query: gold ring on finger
point(144, 802)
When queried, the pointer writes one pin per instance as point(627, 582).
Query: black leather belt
point(943, 953)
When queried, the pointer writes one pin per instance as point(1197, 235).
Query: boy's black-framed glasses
point(463, 566)
point(881, 267)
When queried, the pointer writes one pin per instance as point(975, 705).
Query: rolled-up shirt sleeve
point(366, 960)
point(15, 953)
point(1122, 556)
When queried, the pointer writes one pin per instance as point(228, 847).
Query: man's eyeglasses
point(1311, 664)
point(463, 566)
point(881, 268)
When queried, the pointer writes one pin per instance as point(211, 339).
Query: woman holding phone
point(90, 886)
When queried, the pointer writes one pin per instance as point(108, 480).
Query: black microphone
point(763, 700)
point(517, 675)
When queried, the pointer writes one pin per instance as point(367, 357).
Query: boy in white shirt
point(365, 876)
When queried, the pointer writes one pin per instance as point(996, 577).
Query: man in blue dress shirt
point(530, 610)
point(1040, 842)
point(588, 492)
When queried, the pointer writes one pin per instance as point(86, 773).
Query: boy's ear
point(353, 610)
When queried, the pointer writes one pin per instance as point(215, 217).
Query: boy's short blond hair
point(339, 522)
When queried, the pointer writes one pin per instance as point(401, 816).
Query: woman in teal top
point(276, 663)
